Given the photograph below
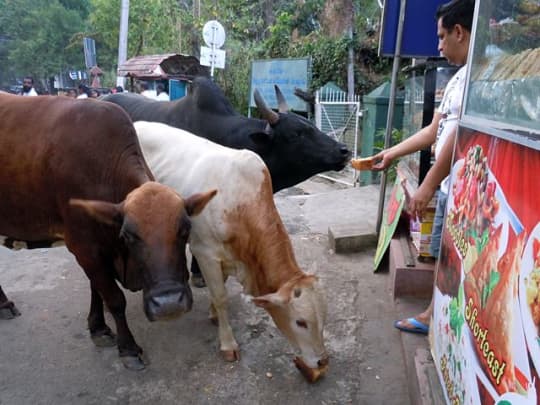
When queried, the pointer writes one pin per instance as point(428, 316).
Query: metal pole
point(122, 38)
point(390, 116)
point(350, 67)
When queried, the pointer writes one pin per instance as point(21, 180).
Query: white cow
point(240, 233)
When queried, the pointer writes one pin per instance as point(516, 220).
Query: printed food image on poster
point(486, 321)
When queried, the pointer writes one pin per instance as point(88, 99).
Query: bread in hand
point(362, 163)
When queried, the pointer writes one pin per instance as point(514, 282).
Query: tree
point(36, 35)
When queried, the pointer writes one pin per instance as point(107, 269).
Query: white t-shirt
point(150, 94)
point(31, 92)
point(450, 108)
point(162, 96)
point(83, 95)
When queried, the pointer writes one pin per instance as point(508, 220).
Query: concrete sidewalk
point(353, 211)
point(47, 357)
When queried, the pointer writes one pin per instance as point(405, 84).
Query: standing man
point(145, 91)
point(454, 23)
point(83, 91)
point(161, 93)
point(28, 87)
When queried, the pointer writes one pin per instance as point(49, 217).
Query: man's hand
point(382, 160)
point(420, 200)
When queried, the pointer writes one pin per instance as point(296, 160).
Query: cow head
point(154, 225)
point(299, 310)
point(293, 148)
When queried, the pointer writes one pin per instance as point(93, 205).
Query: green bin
point(375, 114)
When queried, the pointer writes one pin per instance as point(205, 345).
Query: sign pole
point(212, 58)
point(214, 37)
point(390, 116)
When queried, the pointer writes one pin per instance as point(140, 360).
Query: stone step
point(352, 238)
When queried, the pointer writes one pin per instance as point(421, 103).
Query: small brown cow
point(240, 234)
point(73, 171)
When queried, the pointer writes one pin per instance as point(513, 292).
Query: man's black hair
point(456, 12)
point(29, 78)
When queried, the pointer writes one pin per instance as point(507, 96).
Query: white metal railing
point(337, 114)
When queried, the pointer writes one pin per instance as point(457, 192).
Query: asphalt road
point(47, 357)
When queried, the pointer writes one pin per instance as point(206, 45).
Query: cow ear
point(271, 300)
point(105, 212)
point(195, 204)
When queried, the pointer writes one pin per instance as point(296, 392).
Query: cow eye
point(301, 323)
point(297, 292)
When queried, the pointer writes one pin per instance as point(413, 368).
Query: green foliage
point(44, 37)
point(152, 27)
point(234, 79)
point(37, 34)
point(378, 145)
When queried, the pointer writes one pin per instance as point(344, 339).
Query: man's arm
point(420, 140)
point(434, 177)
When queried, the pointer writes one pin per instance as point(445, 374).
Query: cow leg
point(8, 310)
point(101, 334)
point(130, 352)
point(214, 280)
point(197, 278)
point(213, 313)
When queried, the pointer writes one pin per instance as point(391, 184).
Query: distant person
point(71, 93)
point(145, 91)
point(94, 93)
point(83, 91)
point(118, 89)
point(161, 93)
point(28, 87)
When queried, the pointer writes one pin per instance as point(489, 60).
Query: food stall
point(485, 330)
point(173, 70)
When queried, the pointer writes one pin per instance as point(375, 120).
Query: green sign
point(390, 220)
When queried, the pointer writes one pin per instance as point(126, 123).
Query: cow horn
point(282, 103)
point(271, 116)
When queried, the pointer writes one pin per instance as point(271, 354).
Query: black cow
point(73, 170)
point(291, 146)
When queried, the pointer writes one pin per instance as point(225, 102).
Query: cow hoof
point(105, 338)
point(230, 355)
point(8, 310)
point(134, 363)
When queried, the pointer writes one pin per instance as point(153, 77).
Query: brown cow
point(73, 171)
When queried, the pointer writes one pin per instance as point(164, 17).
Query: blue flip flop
point(417, 326)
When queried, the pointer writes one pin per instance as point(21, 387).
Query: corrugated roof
point(164, 66)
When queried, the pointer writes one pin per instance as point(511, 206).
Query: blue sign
point(419, 38)
point(287, 74)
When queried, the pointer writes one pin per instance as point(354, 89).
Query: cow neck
point(263, 245)
point(131, 167)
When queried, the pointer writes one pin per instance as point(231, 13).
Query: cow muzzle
point(312, 374)
point(167, 302)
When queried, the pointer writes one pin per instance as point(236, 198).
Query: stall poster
point(390, 220)
point(485, 330)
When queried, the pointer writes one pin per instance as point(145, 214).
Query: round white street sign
point(214, 34)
